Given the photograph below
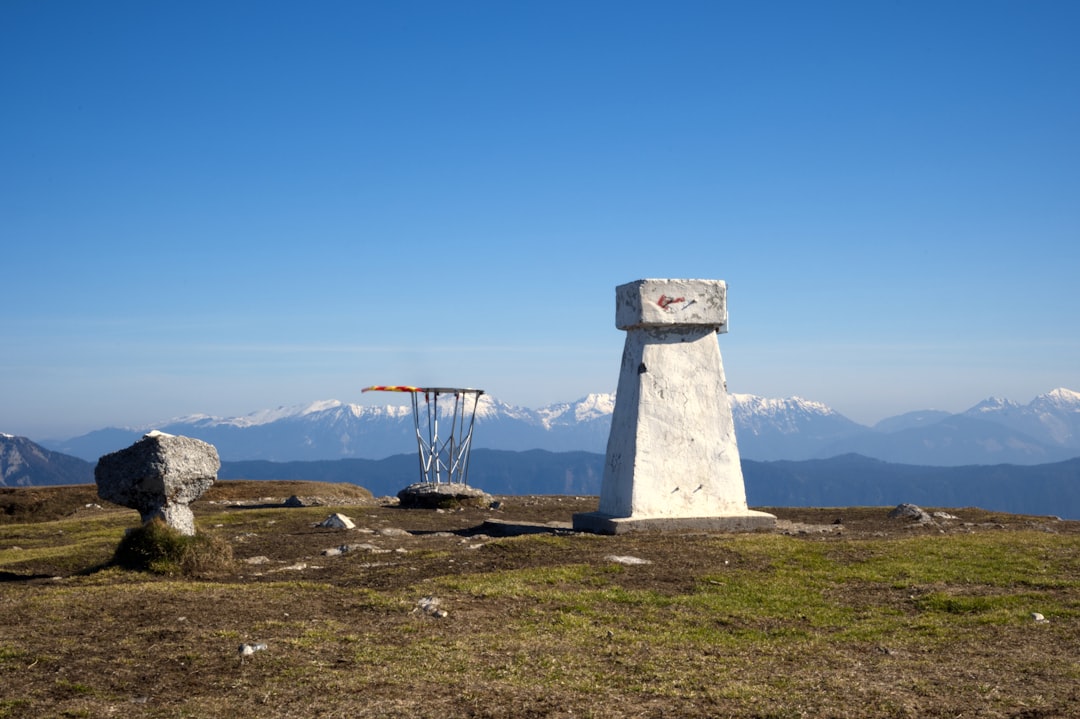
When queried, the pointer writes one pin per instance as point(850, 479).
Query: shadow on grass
point(16, 577)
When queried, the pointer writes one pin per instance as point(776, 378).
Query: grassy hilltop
point(839, 613)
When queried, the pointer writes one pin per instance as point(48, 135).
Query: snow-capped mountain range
point(994, 431)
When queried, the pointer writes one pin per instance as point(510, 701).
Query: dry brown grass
point(871, 618)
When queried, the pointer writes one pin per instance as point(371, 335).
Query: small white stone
point(246, 650)
point(627, 559)
point(431, 607)
point(338, 521)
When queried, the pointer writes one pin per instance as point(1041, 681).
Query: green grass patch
point(896, 626)
point(64, 546)
point(157, 547)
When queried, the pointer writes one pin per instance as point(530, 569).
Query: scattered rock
point(1039, 618)
point(944, 515)
point(911, 512)
point(337, 521)
point(257, 560)
point(788, 527)
point(159, 476)
point(247, 650)
point(298, 567)
point(626, 559)
point(431, 607)
point(448, 495)
point(393, 532)
point(369, 548)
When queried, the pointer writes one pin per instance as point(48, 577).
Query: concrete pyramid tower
point(672, 460)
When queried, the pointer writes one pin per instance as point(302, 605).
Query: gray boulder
point(160, 475)
point(911, 512)
point(428, 495)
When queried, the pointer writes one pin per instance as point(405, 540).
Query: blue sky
point(222, 207)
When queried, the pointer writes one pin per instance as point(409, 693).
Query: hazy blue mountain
point(336, 430)
point(994, 431)
point(844, 481)
point(911, 420)
point(852, 480)
point(24, 463)
point(1053, 417)
point(495, 471)
point(953, 441)
point(792, 428)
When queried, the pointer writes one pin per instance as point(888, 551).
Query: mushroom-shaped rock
point(159, 476)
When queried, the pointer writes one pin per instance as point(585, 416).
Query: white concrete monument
point(672, 461)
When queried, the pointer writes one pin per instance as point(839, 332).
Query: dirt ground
point(537, 621)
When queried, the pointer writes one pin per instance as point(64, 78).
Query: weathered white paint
point(672, 453)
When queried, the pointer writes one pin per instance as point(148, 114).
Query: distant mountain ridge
point(994, 431)
point(24, 463)
point(846, 480)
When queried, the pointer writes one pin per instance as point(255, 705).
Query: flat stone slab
point(504, 528)
point(428, 495)
point(600, 523)
point(659, 303)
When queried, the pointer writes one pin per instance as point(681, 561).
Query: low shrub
point(156, 547)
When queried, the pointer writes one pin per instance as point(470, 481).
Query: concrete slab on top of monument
point(672, 459)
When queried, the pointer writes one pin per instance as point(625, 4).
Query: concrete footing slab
point(504, 528)
point(600, 523)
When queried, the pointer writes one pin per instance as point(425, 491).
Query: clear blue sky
point(222, 207)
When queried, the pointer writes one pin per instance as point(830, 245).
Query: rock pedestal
point(160, 475)
point(429, 495)
point(672, 460)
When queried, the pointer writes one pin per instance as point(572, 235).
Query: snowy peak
point(793, 428)
point(589, 408)
point(319, 410)
point(993, 404)
point(790, 428)
point(765, 406)
point(260, 417)
point(1060, 399)
point(1054, 417)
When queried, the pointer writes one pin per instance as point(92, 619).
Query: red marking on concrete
point(664, 301)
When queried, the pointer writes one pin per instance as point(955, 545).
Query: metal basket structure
point(442, 460)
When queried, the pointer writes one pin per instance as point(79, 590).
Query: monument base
point(600, 523)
